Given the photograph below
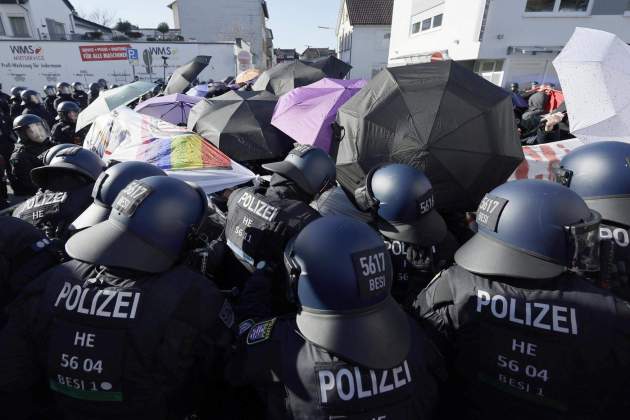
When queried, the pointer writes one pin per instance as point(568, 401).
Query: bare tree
point(101, 16)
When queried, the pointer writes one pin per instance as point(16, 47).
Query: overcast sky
point(294, 22)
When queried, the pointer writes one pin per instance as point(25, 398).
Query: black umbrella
point(239, 123)
point(184, 75)
point(285, 77)
point(439, 117)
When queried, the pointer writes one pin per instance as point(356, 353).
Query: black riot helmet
point(30, 98)
point(31, 129)
point(148, 228)
point(64, 88)
point(74, 161)
point(532, 229)
point(49, 154)
point(401, 198)
point(103, 83)
point(77, 86)
point(16, 91)
point(341, 274)
point(310, 168)
point(95, 87)
point(600, 174)
point(107, 187)
point(68, 111)
point(50, 90)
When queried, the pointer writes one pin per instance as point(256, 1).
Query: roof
point(370, 12)
point(95, 25)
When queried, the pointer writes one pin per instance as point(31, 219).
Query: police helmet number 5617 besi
point(372, 264)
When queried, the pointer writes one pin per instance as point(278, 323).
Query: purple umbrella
point(172, 108)
point(307, 113)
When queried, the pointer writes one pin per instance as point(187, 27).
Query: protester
point(65, 130)
point(33, 140)
point(348, 333)
point(65, 187)
point(519, 328)
point(79, 95)
point(536, 107)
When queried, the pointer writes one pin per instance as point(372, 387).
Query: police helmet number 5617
point(489, 205)
point(372, 264)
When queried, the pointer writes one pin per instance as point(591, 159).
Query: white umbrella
point(111, 99)
point(593, 70)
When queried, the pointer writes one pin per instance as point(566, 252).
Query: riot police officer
point(95, 90)
point(599, 173)
point(34, 139)
point(25, 253)
point(32, 105)
point(262, 220)
point(65, 187)
point(123, 330)
point(65, 130)
point(351, 351)
point(103, 83)
point(64, 93)
point(402, 202)
point(79, 95)
point(527, 336)
point(15, 102)
point(49, 100)
point(106, 189)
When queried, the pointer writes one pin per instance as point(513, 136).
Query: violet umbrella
point(171, 108)
point(306, 113)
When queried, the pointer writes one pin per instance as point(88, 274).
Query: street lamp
point(165, 59)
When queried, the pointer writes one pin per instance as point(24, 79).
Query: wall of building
point(224, 20)
point(7, 10)
point(51, 9)
point(370, 48)
point(37, 63)
point(458, 35)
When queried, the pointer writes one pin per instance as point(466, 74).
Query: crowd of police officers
point(130, 294)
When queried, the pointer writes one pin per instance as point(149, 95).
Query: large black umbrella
point(285, 77)
point(439, 117)
point(186, 74)
point(239, 123)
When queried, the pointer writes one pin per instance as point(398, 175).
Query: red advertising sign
point(109, 52)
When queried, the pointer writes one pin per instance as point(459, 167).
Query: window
point(628, 6)
point(540, 5)
point(415, 28)
point(426, 24)
point(573, 5)
point(56, 30)
point(437, 20)
point(2, 31)
point(18, 26)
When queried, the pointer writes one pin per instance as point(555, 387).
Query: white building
point(226, 20)
point(44, 20)
point(363, 32)
point(504, 40)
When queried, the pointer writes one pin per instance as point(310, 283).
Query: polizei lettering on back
point(539, 315)
point(346, 383)
point(258, 207)
point(106, 303)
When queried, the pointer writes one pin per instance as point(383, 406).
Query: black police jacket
point(40, 111)
point(113, 344)
point(531, 349)
point(92, 96)
point(615, 259)
point(53, 211)
point(25, 157)
point(261, 221)
point(299, 380)
point(81, 98)
point(49, 104)
point(63, 132)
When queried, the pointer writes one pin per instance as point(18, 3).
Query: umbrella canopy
point(248, 75)
point(124, 135)
point(284, 77)
point(186, 74)
point(593, 71)
point(306, 113)
point(113, 98)
point(171, 108)
point(239, 123)
point(438, 117)
point(199, 91)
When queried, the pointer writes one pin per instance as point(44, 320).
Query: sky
point(293, 22)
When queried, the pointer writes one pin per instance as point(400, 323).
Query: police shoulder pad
point(261, 331)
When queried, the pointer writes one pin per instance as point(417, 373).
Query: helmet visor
point(584, 244)
point(50, 92)
point(37, 133)
point(64, 90)
point(78, 88)
point(35, 99)
point(73, 116)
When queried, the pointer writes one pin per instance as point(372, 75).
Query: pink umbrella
point(171, 108)
point(307, 113)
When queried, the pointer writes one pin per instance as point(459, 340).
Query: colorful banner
point(104, 52)
point(540, 160)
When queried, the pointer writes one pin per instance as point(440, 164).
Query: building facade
point(505, 41)
point(283, 55)
point(224, 21)
point(363, 35)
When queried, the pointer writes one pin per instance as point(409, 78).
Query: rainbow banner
point(124, 135)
